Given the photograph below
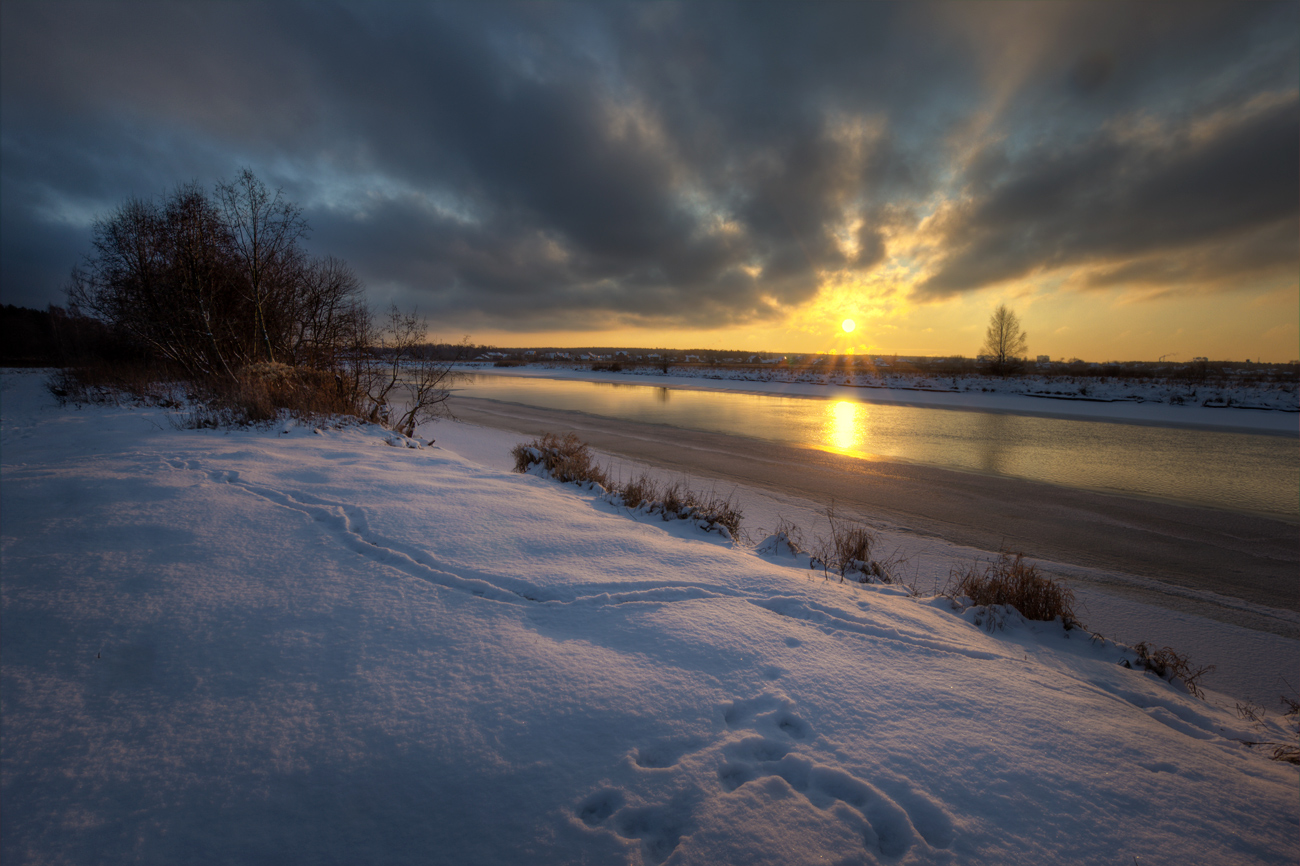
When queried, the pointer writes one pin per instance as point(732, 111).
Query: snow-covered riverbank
point(304, 644)
point(1238, 408)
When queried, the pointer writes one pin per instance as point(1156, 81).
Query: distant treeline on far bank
point(50, 337)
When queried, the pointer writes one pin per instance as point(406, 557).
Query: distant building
point(1044, 359)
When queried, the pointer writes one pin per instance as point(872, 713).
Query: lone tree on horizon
point(1004, 342)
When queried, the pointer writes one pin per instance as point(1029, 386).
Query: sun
point(848, 326)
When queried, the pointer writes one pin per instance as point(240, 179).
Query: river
point(1235, 471)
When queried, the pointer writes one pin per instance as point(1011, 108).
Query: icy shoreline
point(1113, 402)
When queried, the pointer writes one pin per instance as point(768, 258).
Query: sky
point(1126, 177)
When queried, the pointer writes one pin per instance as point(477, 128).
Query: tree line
point(214, 284)
point(220, 287)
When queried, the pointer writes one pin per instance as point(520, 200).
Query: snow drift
point(300, 644)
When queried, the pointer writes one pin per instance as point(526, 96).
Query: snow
point(1250, 665)
point(302, 644)
point(1231, 407)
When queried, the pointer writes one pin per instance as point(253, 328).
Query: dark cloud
point(1133, 193)
point(1092, 71)
point(587, 165)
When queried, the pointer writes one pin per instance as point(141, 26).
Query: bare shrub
point(786, 540)
point(220, 289)
point(1169, 664)
point(717, 511)
point(400, 366)
point(261, 392)
point(1013, 582)
point(565, 458)
point(678, 501)
point(569, 459)
point(849, 550)
point(639, 491)
point(1289, 752)
point(675, 499)
point(791, 534)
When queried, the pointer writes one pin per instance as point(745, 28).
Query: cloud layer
point(543, 167)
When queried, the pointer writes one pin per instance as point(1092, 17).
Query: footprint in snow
point(889, 824)
point(662, 754)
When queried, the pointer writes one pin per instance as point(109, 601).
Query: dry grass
point(565, 458)
point(261, 392)
point(1013, 582)
point(677, 501)
point(257, 395)
point(569, 459)
point(98, 381)
point(1287, 753)
point(639, 491)
point(1169, 664)
point(791, 534)
point(849, 550)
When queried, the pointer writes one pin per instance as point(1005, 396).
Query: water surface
point(1238, 471)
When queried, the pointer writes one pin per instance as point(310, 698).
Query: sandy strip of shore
point(1253, 558)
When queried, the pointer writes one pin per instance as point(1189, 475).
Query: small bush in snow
point(1169, 664)
point(639, 491)
point(786, 540)
point(848, 552)
point(565, 458)
point(1015, 583)
point(1286, 752)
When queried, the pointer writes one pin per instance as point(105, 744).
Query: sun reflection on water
point(845, 429)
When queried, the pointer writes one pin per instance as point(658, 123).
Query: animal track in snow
point(888, 826)
point(658, 828)
point(767, 712)
point(760, 744)
point(662, 754)
point(832, 621)
point(349, 525)
point(600, 806)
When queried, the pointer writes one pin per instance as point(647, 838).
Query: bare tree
point(264, 234)
point(1004, 342)
point(215, 285)
point(160, 275)
point(327, 311)
point(402, 365)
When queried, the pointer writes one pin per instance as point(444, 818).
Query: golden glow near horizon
point(848, 326)
point(1061, 325)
